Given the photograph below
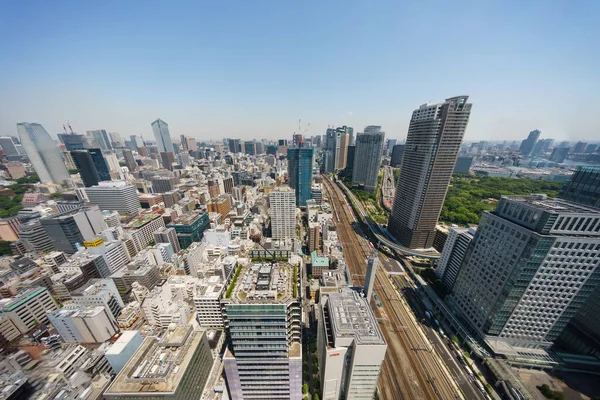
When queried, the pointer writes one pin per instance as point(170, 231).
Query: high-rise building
point(591, 148)
point(367, 157)
point(453, 254)
point(100, 164)
point(167, 235)
point(183, 359)
point(8, 145)
point(282, 211)
point(463, 165)
point(300, 161)
point(28, 308)
point(263, 318)
point(83, 324)
point(72, 141)
point(70, 229)
point(167, 159)
point(234, 146)
point(34, 237)
point(344, 142)
point(528, 144)
point(579, 147)
point(115, 196)
point(397, 155)
point(583, 187)
point(220, 205)
point(162, 136)
point(85, 165)
point(435, 135)
point(250, 148)
point(314, 236)
point(190, 227)
point(350, 345)
point(350, 161)
point(559, 154)
point(129, 160)
point(531, 265)
point(43, 153)
point(102, 137)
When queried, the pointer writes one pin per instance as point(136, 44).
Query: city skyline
point(507, 62)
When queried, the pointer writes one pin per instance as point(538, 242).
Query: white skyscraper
point(162, 136)
point(115, 196)
point(43, 153)
point(282, 211)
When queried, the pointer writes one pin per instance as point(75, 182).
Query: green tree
point(5, 248)
point(305, 388)
point(316, 396)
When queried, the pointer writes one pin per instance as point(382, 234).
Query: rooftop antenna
point(71, 129)
point(65, 129)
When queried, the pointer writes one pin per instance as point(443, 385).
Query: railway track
point(410, 370)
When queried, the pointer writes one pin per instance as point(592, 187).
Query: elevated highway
point(382, 236)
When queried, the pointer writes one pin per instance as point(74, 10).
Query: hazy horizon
point(250, 70)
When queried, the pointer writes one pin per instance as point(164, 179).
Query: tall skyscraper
point(263, 318)
point(282, 210)
point(583, 187)
point(531, 265)
point(344, 142)
point(162, 136)
point(397, 155)
point(300, 173)
point(72, 141)
point(235, 146)
point(559, 154)
point(435, 135)
point(100, 164)
point(453, 254)
point(43, 153)
point(367, 157)
point(129, 160)
point(73, 227)
point(85, 165)
point(8, 145)
point(102, 137)
point(528, 144)
point(350, 345)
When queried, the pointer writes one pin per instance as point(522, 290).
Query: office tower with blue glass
point(300, 171)
point(162, 136)
point(43, 154)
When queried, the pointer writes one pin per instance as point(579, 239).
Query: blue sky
point(251, 69)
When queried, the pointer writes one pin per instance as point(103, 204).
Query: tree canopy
point(468, 197)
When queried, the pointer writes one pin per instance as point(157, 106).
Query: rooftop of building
point(187, 219)
point(553, 205)
point(265, 283)
point(319, 261)
point(210, 288)
point(350, 316)
point(142, 220)
point(11, 303)
point(158, 365)
point(72, 310)
point(105, 184)
point(132, 270)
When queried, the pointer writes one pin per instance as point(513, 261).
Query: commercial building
point(85, 166)
point(300, 172)
point(316, 191)
point(28, 309)
point(145, 275)
point(129, 160)
point(531, 265)
point(102, 138)
point(207, 299)
point(84, 324)
point(453, 254)
point(142, 229)
point(15, 169)
point(282, 211)
point(559, 154)
point(190, 227)
point(264, 312)
point(220, 205)
point(167, 235)
point(43, 154)
point(162, 184)
point(397, 155)
point(350, 347)
point(367, 158)
point(162, 136)
point(318, 264)
point(121, 351)
point(99, 292)
point(69, 230)
point(8, 145)
point(435, 135)
point(174, 367)
point(115, 196)
point(583, 187)
point(463, 165)
point(528, 144)
point(314, 236)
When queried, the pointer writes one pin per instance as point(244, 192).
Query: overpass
point(382, 236)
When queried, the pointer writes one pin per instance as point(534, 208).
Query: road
point(388, 188)
point(412, 369)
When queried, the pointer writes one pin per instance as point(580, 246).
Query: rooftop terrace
point(265, 283)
